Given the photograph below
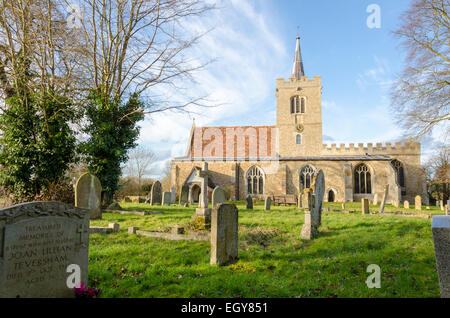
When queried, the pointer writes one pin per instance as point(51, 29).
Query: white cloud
point(380, 74)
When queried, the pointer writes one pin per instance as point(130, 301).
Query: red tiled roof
point(233, 142)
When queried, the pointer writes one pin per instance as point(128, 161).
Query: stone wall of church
point(283, 177)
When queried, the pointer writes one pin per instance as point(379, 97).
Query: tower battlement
point(304, 81)
point(379, 148)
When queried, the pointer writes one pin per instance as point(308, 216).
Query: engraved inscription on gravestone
point(38, 241)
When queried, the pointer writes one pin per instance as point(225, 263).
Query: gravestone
point(309, 231)
point(343, 206)
point(88, 193)
point(173, 195)
point(203, 212)
point(418, 202)
point(441, 203)
point(319, 190)
point(184, 195)
point(396, 203)
point(441, 236)
point(224, 234)
point(267, 203)
point(447, 207)
point(365, 206)
point(218, 196)
point(385, 195)
point(156, 193)
point(375, 199)
point(249, 202)
point(166, 198)
point(38, 241)
point(406, 204)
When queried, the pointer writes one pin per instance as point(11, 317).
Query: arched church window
point(297, 105)
point(302, 110)
point(292, 105)
point(399, 174)
point(306, 176)
point(298, 139)
point(255, 181)
point(363, 182)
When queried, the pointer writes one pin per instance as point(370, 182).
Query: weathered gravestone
point(441, 236)
point(249, 202)
point(365, 206)
point(267, 203)
point(224, 234)
point(88, 193)
point(396, 203)
point(184, 195)
point(166, 198)
point(406, 204)
point(447, 207)
point(385, 195)
point(218, 196)
point(156, 193)
point(38, 241)
point(173, 195)
point(309, 231)
point(319, 190)
point(418, 202)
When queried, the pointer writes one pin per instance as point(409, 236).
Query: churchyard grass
point(273, 260)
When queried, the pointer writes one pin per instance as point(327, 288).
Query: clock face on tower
point(300, 128)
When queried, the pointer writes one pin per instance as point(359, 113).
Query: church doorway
point(331, 197)
point(196, 193)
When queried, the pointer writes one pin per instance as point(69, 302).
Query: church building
point(282, 159)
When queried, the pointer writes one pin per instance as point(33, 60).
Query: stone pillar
point(224, 234)
point(441, 236)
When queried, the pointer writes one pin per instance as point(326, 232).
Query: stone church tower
point(299, 112)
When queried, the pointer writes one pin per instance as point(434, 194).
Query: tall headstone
point(365, 206)
point(224, 234)
point(249, 201)
point(184, 194)
point(218, 196)
point(309, 230)
point(267, 203)
point(385, 195)
point(441, 203)
point(203, 211)
point(406, 204)
point(38, 243)
point(418, 202)
point(319, 191)
point(156, 193)
point(447, 207)
point(441, 236)
point(88, 195)
point(173, 195)
point(166, 198)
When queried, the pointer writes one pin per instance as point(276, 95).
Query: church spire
point(297, 70)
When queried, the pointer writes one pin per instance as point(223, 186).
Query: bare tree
point(438, 171)
point(140, 46)
point(139, 160)
point(38, 52)
point(421, 94)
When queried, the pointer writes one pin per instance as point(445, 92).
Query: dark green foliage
point(37, 143)
point(112, 129)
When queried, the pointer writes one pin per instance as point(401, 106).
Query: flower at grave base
point(84, 292)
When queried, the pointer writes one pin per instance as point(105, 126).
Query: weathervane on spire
point(298, 31)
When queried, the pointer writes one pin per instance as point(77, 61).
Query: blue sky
point(253, 43)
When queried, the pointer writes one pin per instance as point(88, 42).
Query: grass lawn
point(274, 261)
